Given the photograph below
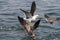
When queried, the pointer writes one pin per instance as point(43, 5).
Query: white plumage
point(33, 18)
point(30, 15)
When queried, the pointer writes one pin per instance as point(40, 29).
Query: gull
point(51, 20)
point(29, 29)
point(30, 15)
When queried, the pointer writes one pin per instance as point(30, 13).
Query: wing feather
point(24, 24)
point(33, 8)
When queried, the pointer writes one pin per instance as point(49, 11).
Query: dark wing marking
point(58, 19)
point(28, 15)
point(33, 8)
point(46, 16)
point(36, 25)
point(31, 13)
point(51, 22)
point(24, 24)
point(22, 21)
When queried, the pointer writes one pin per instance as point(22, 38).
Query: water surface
point(10, 28)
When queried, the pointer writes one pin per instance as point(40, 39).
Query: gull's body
point(33, 18)
point(27, 22)
point(29, 29)
point(30, 15)
point(51, 20)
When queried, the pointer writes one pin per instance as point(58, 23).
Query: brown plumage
point(51, 20)
point(29, 30)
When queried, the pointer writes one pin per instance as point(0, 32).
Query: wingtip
point(36, 24)
point(39, 21)
point(33, 8)
point(19, 17)
point(58, 19)
point(21, 20)
point(21, 9)
point(24, 11)
point(33, 2)
point(46, 16)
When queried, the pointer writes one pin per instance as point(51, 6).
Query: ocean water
point(10, 28)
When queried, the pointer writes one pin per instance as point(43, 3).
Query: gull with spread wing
point(30, 15)
point(29, 29)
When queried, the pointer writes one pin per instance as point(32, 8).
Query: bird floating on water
point(51, 20)
point(29, 29)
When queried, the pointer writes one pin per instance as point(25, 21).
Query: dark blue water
point(10, 28)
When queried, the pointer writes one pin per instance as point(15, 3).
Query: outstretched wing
point(33, 8)
point(36, 25)
point(24, 24)
point(31, 13)
point(28, 15)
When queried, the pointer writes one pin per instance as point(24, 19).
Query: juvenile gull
point(51, 20)
point(29, 29)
